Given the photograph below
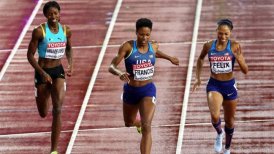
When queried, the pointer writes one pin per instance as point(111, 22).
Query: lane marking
point(189, 76)
point(94, 76)
point(117, 128)
point(163, 43)
point(20, 39)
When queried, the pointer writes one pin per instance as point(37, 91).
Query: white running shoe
point(219, 142)
point(227, 151)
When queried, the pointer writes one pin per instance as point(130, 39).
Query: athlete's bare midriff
point(48, 63)
point(222, 77)
point(135, 83)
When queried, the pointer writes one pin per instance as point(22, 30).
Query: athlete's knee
point(57, 110)
point(229, 123)
point(215, 118)
point(146, 127)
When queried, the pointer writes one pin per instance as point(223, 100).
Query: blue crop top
point(53, 45)
point(221, 61)
point(140, 65)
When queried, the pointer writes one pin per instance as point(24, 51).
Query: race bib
point(221, 64)
point(55, 50)
point(143, 71)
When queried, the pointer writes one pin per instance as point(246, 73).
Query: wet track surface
point(102, 129)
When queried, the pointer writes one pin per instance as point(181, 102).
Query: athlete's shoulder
point(39, 31)
point(39, 28)
point(208, 44)
point(127, 45)
point(234, 43)
point(66, 29)
point(154, 44)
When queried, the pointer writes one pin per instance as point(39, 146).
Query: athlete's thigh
point(58, 90)
point(42, 93)
point(147, 109)
point(129, 112)
point(215, 100)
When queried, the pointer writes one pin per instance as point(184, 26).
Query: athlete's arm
point(237, 51)
point(160, 54)
point(37, 35)
point(124, 50)
point(69, 52)
point(199, 65)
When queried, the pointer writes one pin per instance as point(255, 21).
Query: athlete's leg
point(147, 109)
point(215, 100)
point(229, 117)
point(57, 96)
point(129, 113)
point(42, 96)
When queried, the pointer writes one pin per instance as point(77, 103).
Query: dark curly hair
point(49, 5)
point(227, 22)
point(143, 22)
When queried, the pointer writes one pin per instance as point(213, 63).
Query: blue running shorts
point(133, 95)
point(228, 88)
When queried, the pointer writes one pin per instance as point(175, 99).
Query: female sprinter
point(52, 40)
point(139, 90)
point(221, 88)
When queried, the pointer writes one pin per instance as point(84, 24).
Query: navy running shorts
point(228, 88)
point(54, 73)
point(133, 95)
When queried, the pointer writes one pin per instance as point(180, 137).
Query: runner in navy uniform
point(221, 88)
point(139, 90)
point(52, 41)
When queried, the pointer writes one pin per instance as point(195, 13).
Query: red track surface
point(169, 26)
point(13, 17)
point(253, 22)
point(16, 88)
point(102, 129)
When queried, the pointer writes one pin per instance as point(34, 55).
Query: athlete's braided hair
point(49, 5)
point(143, 22)
point(227, 22)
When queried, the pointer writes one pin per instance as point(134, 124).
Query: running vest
point(53, 45)
point(140, 65)
point(221, 61)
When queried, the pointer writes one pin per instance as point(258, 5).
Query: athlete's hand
point(237, 52)
point(124, 77)
point(46, 78)
point(69, 71)
point(174, 60)
point(196, 85)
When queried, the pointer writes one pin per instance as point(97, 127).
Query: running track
point(101, 128)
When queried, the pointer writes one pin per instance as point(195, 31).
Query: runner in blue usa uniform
point(52, 41)
point(139, 91)
point(221, 88)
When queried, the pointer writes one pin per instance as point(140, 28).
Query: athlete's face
point(53, 15)
point(223, 33)
point(143, 35)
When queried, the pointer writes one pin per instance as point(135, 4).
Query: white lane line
point(20, 39)
point(189, 75)
point(160, 43)
point(94, 76)
point(117, 128)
